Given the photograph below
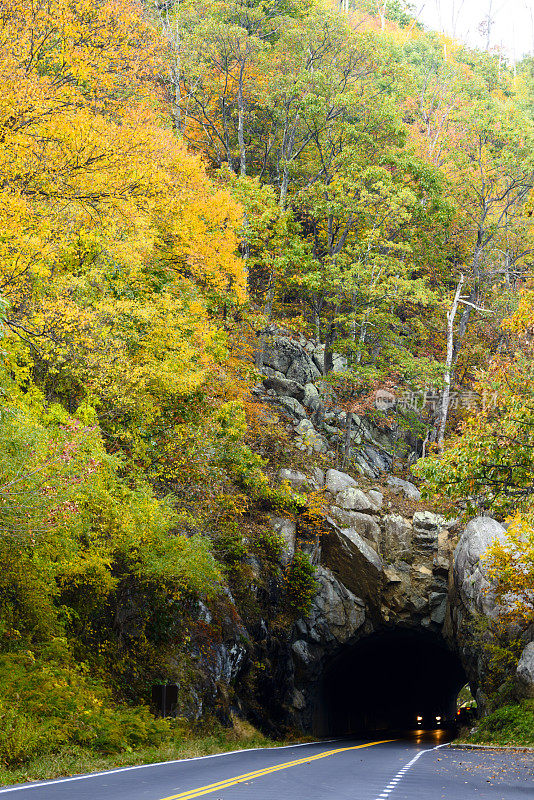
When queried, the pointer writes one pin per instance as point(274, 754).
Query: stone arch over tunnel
point(385, 680)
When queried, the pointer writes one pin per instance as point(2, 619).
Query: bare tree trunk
point(177, 100)
point(487, 25)
point(317, 324)
point(474, 294)
point(329, 348)
point(171, 32)
point(362, 337)
point(267, 311)
point(287, 153)
point(382, 6)
point(241, 120)
point(347, 444)
point(449, 365)
point(227, 146)
point(425, 442)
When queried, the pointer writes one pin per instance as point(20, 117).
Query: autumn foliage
point(116, 253)
point(175, 177)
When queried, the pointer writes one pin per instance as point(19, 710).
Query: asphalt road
point(411, 768)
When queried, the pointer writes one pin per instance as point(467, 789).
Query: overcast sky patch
point(512, 22)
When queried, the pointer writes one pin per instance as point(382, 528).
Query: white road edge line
point(402, 772)
point(19, 787)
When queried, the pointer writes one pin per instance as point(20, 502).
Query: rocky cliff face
point(293, 370)
point(376, 570)
point(471, 598)
point(383, 562)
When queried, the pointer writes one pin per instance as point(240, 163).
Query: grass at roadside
point(186, 743)
point(509, 725)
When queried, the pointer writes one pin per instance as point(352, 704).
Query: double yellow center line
point(249, 776)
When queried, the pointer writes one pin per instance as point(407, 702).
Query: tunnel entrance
point(395, 679)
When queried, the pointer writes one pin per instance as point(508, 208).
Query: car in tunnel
point(431, 720)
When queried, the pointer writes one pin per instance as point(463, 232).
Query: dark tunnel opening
point(391, 680)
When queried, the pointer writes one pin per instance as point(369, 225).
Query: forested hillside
point(178, 179)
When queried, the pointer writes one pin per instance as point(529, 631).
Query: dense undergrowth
point(508, 725)
point(127, 491)
point(177, 739)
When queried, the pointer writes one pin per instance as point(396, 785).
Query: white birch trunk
point(241, 121)
point(447, 379)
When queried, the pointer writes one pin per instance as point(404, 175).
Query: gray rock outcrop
point(470, 576)
point(376, 497)
point(336, 613)
point(525, 672)
point(399, 486)
point(303, 370)
point(353, 499)
point(293, 379)
point(287, 530)
point(311, 398)
point(285, 387)
point(281, 352)
point(353, 561)
point(471, 599)
point(337, 481)
point(398, 536)
point(363, 524)
point(295, 478)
